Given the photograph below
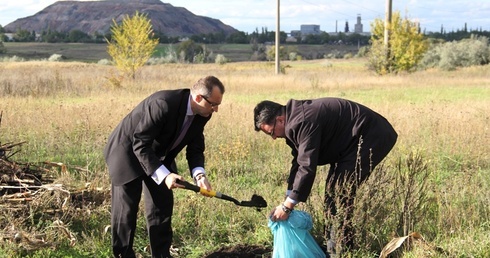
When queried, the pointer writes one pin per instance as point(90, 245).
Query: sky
point(249, 15)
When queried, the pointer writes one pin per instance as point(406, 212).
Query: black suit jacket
point(141, 142)
point(326, 131)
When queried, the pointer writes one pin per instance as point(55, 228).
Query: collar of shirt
point(189, 109)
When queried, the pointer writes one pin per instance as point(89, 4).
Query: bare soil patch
point(241, 251)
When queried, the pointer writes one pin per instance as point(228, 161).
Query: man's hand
point(281, 212)
point(203, 182)
point(170, 181)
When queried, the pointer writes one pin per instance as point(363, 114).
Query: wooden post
point(278, 31)
point(387, 31)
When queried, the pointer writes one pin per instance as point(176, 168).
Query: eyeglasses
point(273, 128)
point(213, 105)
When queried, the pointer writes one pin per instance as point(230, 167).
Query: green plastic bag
point(292, 238)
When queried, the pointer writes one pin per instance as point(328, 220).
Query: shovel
point(256, 201)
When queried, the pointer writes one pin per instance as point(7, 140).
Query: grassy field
point(95, 52)
point(436, 181)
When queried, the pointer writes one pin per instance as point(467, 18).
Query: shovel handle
point(195, 188)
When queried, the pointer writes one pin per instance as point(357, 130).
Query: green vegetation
point(463, 53)
point(406, 46)
point(131, 46)
point(435, 182)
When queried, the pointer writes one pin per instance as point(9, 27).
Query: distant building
point(358, 25)
point(310, 29)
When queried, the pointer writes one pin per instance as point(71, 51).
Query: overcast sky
point(248, 15)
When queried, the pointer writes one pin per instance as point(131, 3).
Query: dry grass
point(66, 111)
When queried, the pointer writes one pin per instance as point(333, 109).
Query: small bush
point(220, 59)
point(12, 59)
point(293, 56)
point(200, 58)
point(56, 58)
point(188, 50)
point(334, 54)
point(348, 56)
point(104, 62)
point(363, 51)
point(168, 55)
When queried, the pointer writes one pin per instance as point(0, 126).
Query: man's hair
point(205, 86)
point(265, 112)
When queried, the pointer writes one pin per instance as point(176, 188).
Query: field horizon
point(94, 52)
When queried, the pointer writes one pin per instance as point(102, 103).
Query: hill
point(97, 17)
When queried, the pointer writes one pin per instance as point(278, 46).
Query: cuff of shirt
point(289, 199)
point(198, 170)
point(160, 174)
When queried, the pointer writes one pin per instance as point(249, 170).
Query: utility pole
point(387, 22)
point(278, 31)
point(387, 30)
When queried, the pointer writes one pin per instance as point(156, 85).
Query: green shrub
point(2, 48)
point(169, 56)
point(363, 51)
point(450, 55)
point(188, 50)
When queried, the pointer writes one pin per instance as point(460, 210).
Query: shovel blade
point(256, 201)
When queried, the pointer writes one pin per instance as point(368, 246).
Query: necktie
point(187, 122)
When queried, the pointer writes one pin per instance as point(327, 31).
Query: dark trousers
point(343, 180)
point(159, 203)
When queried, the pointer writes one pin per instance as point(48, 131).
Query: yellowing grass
point(65, 111)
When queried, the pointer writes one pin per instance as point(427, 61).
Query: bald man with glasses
point(348, 136)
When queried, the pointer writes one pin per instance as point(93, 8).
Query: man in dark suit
point(350, 137)
point(140, 157)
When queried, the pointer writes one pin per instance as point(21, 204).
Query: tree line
point(259, 37)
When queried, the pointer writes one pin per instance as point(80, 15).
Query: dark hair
point(205, 86)
point(265, 112)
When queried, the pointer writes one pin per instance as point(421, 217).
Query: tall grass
point(435, 181)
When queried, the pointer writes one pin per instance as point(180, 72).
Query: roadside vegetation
point(435, 182)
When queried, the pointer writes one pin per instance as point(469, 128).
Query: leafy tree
point(406, 46)
point(78, 36)
point(131, 44)
point(2, 48)
point(238, 38)
point(53, 36)
point(23, 36)
point(271, 53)
point(188, 50)
point(2, 39)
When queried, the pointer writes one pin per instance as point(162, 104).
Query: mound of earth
point(241, 251)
